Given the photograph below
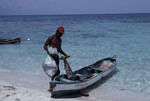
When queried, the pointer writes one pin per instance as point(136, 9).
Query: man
point(54, 43)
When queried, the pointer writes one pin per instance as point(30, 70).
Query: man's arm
point(48, 42)
point(62, 52)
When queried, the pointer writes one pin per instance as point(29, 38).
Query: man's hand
point(64, 57)
point(48, 53)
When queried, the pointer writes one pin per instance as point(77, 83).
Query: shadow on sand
point(90, 88)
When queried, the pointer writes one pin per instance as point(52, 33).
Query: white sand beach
point(20, 87)
point(24, 87)
point(13, 93)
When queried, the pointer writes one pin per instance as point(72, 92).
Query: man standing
point(54, 43)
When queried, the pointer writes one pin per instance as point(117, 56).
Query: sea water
point(87, 38)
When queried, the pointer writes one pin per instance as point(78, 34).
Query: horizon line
point(70, 14)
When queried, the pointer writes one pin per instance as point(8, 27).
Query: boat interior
point(87, 72)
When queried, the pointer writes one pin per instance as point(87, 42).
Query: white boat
point(82, 78)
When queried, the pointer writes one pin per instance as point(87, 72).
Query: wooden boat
point(10, 41)
point(82, 78)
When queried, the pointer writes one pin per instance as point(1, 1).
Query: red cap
point(61, 29)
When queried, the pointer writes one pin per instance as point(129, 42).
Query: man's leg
point(56, 58)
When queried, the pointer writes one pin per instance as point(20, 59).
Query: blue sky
point(50, 7)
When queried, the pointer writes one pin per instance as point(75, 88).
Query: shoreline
point(25, 87)
point(25, 80)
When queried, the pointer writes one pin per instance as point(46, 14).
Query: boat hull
point(10, 41)
point(63, 89)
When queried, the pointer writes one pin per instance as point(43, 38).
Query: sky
point(54, 7)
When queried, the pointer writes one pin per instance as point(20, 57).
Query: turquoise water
point(87, 39)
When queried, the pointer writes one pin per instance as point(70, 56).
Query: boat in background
point(10, 41)
point(82, 78)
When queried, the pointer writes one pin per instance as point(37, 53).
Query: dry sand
point(24, 87)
